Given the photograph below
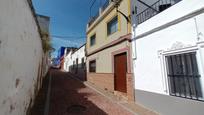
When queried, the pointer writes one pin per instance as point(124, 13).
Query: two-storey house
point(108, 49)
point(168, 55)
point(75, 62)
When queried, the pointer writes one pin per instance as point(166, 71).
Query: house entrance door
point(120, 70)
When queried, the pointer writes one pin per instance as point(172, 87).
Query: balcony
point(105, 5)
point(101, 10)
point(154, 9)
point(93, 18)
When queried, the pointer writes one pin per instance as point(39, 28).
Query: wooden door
point(120, 70)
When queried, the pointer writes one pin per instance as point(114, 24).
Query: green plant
point(47, 46)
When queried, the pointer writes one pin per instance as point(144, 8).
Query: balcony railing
point(154, 9)
point(103, 7)
point(93, 18)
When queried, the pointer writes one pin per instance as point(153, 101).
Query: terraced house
point(108, 49)
point(168, 55)
point(75, 61)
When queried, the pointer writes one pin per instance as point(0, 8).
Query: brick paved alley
point(70, 97)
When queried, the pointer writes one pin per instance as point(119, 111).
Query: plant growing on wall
point(46, 44)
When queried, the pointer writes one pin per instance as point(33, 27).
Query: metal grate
point(154, 9)
point(105, 5)
point(183, 76)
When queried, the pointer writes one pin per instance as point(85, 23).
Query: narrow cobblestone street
point(70, 97)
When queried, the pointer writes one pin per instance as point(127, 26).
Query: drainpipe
point(134, 49)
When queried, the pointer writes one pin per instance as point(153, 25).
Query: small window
point(112, 26)
point(93, 40)
point(92, 66)
point(183, 76)
point(82, 63)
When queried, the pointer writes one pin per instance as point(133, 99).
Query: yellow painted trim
point(119, 24)
point(100, 18)
point(129, 7)
point(129, 15)
point(114, 15)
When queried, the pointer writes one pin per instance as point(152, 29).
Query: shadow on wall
point(40, 100)
point(67, 99)
point(79, 71)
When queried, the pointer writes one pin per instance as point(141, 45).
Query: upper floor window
point(112, 26)
point(93, 40)
point(183, 76)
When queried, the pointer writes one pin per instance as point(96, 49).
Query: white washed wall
point(71, 57)
point(68, 61)
point(148, 64)
point(180, 9)
point(20, 56)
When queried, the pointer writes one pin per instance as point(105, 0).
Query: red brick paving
point(67, 91)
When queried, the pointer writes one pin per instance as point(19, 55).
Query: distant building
point(62, 52)
point(108, 50)
point(68, 62)
point(75, 62)
point(168, 55)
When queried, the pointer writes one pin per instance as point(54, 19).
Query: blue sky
point(68, 18)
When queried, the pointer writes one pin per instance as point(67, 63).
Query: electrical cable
point(58, 36)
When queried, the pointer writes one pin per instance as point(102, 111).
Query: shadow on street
point(70, 97)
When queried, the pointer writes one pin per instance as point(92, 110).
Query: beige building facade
point(108, 50)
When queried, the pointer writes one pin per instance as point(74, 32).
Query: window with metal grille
point(183, 76)
point(92, 66)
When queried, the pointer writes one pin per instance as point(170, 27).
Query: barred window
point(183, 76)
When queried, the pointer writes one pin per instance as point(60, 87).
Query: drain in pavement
point(76, 109)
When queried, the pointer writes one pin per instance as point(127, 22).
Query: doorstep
point(122, 96)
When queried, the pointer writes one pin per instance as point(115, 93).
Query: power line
point(59, 36)
point(90, 1)
point(93, 2)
